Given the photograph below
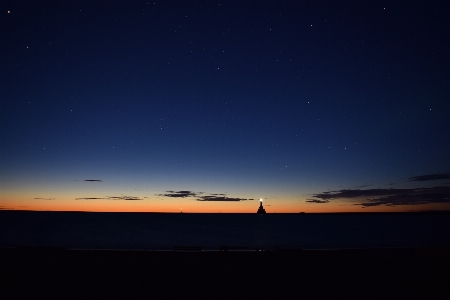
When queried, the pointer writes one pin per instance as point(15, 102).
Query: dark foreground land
point(342, 274)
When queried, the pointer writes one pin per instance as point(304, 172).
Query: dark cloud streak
point(127, 198)
point(179, 194)
point(221, 198)
point(438, 176)
point(200, 196)
point(317, 201)
point(388, 197)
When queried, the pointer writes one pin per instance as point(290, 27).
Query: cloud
point(220, 198)
point(357, 193)
point(200, 196)
point(437, 176)
point(124, 198)
point(363, 186)
point(317, 201)
point(388, 197)
point(111, 198)
point(93, 180)
point(44, 198)
point(179, 194)
point(10, 207)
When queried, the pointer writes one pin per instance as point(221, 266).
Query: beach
point(289, 273)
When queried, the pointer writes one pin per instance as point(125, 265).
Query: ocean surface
point(161, 231)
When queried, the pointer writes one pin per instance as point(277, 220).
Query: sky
point(209, 106)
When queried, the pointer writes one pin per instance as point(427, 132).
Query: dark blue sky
point(290, 101)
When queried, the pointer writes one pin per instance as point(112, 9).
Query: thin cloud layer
point(438, 176)
point(220, 198)
point(317, 201)
point(200, 196)
point(127, 198)
point(179, 194)
point(44, 198)
point(93, 180)
point(388, 197)
point(124, 198)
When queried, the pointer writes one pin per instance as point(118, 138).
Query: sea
point(164, 231)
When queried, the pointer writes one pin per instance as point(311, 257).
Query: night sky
point(208, 106)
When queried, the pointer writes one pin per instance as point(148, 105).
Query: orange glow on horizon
point(192, 206)
point(66, 201)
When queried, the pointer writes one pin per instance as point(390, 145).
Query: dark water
point(211, 231)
